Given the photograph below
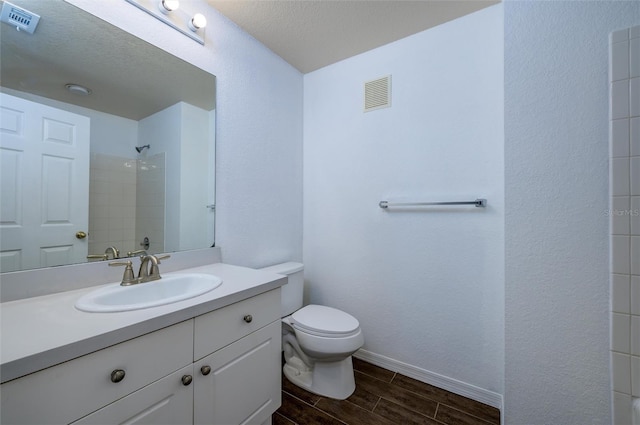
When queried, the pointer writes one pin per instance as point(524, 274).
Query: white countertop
point(40, 332)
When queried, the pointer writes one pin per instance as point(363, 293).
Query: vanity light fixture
point(197, 22)
point(167, 6)
point(172, 13)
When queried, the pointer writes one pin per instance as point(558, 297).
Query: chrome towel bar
point(480, 203)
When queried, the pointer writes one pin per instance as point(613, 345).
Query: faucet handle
point(154, 272)
point(97, 256)
point(128, 278)
point(140, 252)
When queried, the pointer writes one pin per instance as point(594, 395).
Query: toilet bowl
point(317, 341)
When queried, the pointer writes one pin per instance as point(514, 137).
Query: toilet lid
point(324, 320)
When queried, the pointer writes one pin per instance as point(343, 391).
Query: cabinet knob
point(186, 379)
point(117, 375)
point(248, 318)
point(205, 370)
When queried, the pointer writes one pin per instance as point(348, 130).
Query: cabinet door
point(166, 401)
point(243, 385)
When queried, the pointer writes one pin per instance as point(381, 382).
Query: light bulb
point(197, 22)
point(167, 6)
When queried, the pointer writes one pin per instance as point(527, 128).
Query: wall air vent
point(377, 94)
point(18, 17)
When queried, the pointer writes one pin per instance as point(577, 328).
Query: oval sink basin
point(169, 289)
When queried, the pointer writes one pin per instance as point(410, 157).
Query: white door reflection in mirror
point(44, 160)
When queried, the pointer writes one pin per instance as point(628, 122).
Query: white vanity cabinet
point(238, 380)
point(222, 367)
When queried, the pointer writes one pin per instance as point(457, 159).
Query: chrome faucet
point(146, 273)
point(115, 254)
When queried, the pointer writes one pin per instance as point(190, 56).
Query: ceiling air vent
point(18, 17)
point(377, 94)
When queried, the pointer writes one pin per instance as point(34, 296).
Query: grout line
point(482, 420)
point(332, 416)
point(298, 398)
point(287, 418)
point(313, 407)
point(376, 405)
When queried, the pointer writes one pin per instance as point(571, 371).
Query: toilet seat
point(325, 321)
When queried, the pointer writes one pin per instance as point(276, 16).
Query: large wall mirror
point(125, 169)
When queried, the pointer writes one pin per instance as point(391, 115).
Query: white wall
point(556, 185)
point(195, 143)
point(426, 285)
point(258, 131)
point(163, 131)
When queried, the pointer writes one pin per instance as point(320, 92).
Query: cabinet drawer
point(221, 327)
point(167, 401)
point(71, 390)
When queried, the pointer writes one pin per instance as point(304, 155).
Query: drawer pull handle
point(205, 370)
point(117, 375)
point(186, 380)
point(248, 318)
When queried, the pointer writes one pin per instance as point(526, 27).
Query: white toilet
point(317, 341)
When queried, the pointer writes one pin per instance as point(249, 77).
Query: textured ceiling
point(311, 34)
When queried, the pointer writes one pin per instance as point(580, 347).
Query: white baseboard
point(458, 387)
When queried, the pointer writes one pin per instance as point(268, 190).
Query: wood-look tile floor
point(382, 397)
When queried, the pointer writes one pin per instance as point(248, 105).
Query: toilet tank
point(291, 292)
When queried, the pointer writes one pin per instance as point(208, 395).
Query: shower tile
point(621, 409)
point(619, 63)
point(635, 376)
point(620, 327)
point(620, 35)
point(634, 32)
point(634, 57)
point(634, 215)
point(620, 255)
point(634, 97)
point(635, 336)
point(634, 136)
point(620, 215)
point(619, 103)
point(621, 372)
point(635, 175)
point(99, 237)
point(619, 138)
point(619, 176)
point(635, 295)
point(620, 290)
point(635, 255)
